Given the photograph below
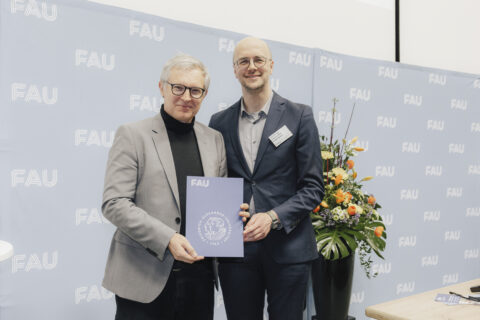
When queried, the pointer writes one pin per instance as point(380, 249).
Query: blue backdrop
point(72, 72)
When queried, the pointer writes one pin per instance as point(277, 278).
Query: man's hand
point(182, 250)
point(244, 213)
point(257, 227)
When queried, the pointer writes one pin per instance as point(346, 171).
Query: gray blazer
point(141, 199)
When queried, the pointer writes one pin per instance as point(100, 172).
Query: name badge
point(280, 136)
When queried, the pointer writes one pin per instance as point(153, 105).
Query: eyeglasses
point(179, 90)
point(258, 61)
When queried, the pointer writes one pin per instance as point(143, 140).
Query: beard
point(253, 88)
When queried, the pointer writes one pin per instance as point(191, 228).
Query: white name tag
point(280, 136)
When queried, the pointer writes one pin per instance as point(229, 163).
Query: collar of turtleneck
point(174, 125)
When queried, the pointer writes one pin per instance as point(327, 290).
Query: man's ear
point(160, 85)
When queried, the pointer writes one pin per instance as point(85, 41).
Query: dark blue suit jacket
point(287, 178)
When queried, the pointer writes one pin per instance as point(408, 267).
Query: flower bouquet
point(347, 219)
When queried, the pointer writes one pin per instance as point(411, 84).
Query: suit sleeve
point(310, 186)
point(118, 204)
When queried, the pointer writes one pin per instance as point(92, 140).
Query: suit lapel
point(207, 150)
point(235, 139)
point(164, 152)
point(271, 125)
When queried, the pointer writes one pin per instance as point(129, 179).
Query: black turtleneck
point(186, 156)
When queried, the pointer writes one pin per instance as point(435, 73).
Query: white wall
point(435, 33)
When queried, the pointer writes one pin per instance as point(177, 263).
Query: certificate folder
point(213, 226)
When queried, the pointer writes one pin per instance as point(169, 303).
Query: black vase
point(332, 287)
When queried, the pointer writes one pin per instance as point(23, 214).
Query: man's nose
point(251, 65)
point(186, 95)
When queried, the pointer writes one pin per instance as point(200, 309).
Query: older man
point(153, 270)
point(273, 144)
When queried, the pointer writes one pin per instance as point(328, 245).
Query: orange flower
point(371, 200)
point(351, 210)
point(379, 231)
point(354, 174)
point(348, 195)
point(350, 164)
point(338, 179)
point(358, 149)
point(340, 196)
point(324, 204)
point(317, 208)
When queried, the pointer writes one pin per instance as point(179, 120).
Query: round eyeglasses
point(258, 61)
point(179, 90)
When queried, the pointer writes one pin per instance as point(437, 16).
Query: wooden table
point(422, 306)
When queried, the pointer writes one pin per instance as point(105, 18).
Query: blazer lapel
point(235, 139)
point(271, 125)
point(164, 152)
point(207, 150)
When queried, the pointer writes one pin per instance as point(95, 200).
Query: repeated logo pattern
point(67, 89)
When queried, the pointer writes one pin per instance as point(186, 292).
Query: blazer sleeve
point(309, 184)
point(120, 188)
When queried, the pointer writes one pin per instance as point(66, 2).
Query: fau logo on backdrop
point(475, 127)
point(428, 261)
point(476, 84)
point(48, 178)
point(326, 116)
point(381, 268)
point(412, 99)
point(226, 45)
point(331, 63)
point(35, 261)
point(93, 59)
point(450, 278)
point(456, 148)
point(435, 125)
point(34, 93)
point(431, 216)
point(473, 169)
point(357, 297)
point(145, 103)
point(90, 293)
point(89, 216)
point(459, 104)
point(387, 219)
point(387, 72)
point(34, 8)
point(434, 78)
point(452, 235)
point(100, 138)
point(146, 30)
point(454, 192)
point(471, 254)
point(386, 122)
point(409, 194)
point(360, 94)
point(411, 147)
point(406, 287)
point(384, 171)
point(362, 144)
point(473, 212)
point(433, 170)
point(303, 59)
point(275, 84)
point(407, 241)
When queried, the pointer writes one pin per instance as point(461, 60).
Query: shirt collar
point(265, 108)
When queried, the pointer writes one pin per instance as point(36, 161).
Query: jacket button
point(177, 220)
